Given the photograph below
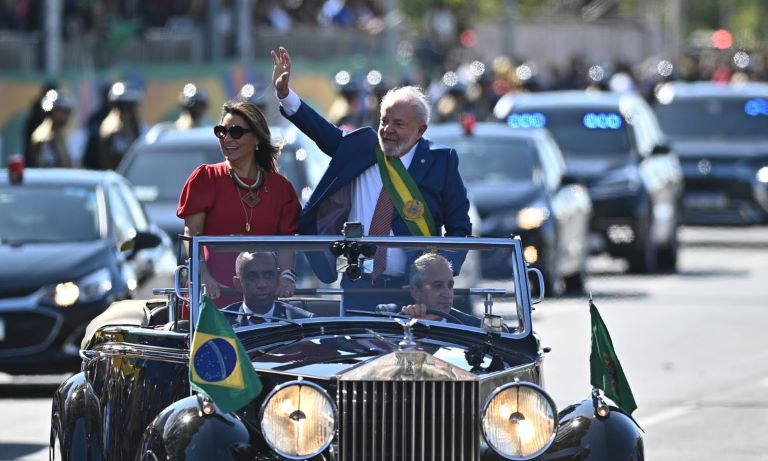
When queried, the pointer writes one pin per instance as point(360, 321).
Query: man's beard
point(396, 150)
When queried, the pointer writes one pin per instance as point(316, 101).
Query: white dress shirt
point(365, 193)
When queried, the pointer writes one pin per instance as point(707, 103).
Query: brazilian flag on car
point(218, 363)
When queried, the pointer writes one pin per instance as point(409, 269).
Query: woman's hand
point(281, 72)
point(212, 287)
point(286, 288)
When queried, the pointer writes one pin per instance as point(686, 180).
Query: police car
point(612, 142)
point(720, 132)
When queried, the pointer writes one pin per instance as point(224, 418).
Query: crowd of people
point(106, 18)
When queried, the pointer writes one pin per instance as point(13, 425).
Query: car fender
point(75, 421)
point(183, 431)
point(581, 435)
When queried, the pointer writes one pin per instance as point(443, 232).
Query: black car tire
point(642, 256)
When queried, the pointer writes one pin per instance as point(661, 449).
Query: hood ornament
point(408, 342)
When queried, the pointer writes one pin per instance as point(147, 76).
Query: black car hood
point(720, 148)
point(26, 268)
point(594, 167)
point(327, 357)
point(510, 196)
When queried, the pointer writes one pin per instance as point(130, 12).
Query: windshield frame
point(322, 243)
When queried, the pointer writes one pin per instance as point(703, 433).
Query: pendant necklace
point(248, 215)
point(251, 198)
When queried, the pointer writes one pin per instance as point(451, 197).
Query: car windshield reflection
point(44, 214)
point(492, 161)
point(712, 117)
point(591, 132)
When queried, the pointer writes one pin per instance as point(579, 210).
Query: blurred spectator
point(347, 111)
point(48, 142)
point(91, 152)
point(121, 127)
point(376, 87)
point(36, 113)
point(452, 104)
point(194, 108)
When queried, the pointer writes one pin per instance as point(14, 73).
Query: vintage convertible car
point(354, 382)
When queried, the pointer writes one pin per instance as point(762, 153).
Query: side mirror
point(535, 285)
point(141, 241)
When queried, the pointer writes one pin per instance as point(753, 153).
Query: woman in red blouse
point(243, 195)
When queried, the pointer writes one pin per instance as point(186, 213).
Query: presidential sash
point(405, 195)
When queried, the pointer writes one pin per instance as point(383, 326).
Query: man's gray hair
point(422, 263)
point(412, 95)
point(246, 256)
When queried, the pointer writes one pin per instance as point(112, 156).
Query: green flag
point(605, 369)
point(218, 363)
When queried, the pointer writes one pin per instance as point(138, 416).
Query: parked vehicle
point(61, 232)
point(516, 180)
point(720, 132)
point(346, 384)
point(612, 142)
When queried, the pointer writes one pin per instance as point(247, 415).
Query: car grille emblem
point(704, 166)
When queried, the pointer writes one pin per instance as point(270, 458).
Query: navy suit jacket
point(434, 169)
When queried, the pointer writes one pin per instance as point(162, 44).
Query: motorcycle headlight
point(298, 419)
point(762, 175)
point(92, 287)
point(519, 421)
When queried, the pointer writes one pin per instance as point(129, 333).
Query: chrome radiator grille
point(408, 420)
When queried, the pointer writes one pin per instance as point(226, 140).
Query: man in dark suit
point(258, 277)
point(392, 180)
point(431, 285)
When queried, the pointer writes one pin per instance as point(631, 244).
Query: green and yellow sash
point(405, 195)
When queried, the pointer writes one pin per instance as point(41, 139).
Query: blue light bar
point(602, 121)
point(755, 107)
point(527, 120)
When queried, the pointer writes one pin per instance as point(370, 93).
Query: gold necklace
point(248, 215)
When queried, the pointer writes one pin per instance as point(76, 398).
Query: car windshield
point(333, 277)
point(492, 160)
point(585, 132)
point(714, 117)
point(48, 214)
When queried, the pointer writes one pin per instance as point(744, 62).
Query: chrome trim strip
point(163, 354)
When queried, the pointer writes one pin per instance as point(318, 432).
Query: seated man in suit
point(431, 285)
point(258, 276)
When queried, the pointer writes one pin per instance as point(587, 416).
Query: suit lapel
point(421, 162)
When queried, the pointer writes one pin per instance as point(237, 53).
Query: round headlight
point(519, 421)
point(298, 419)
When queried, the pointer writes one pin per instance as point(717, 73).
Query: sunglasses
point(235, 132)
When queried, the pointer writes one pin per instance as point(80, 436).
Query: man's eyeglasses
point(235, 132)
